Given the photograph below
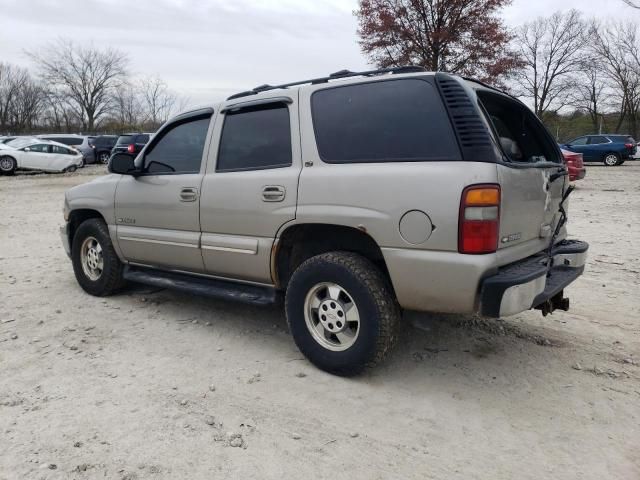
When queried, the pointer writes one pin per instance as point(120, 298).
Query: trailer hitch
point(557, 302)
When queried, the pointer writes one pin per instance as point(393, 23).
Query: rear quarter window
point(386, 121)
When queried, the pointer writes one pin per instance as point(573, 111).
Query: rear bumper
point(530, 283)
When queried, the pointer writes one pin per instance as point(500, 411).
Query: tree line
point(565, 66)
point(83, 89)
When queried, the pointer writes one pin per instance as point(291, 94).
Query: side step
point(203, 286)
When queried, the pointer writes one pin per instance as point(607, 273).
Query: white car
point(30, 153)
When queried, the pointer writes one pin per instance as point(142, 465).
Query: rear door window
point(597, 140)
point(386, 121)
point(255, 138)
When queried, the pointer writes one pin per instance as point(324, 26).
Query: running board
point(210, 287)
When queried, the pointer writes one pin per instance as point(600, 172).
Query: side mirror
point(123, 164)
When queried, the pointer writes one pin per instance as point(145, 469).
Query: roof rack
point(333, 76)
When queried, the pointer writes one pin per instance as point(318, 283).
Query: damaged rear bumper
point(530, 283)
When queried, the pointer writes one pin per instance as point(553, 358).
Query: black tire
point(621, 162)
point(8, 165)
point(377, 306)
point(110, 279)
point(70, 169)
point(611, 159)
point(82, 163)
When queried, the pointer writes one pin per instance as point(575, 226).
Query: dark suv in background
point(612, 149)
point(102, 146)
point(131, 143)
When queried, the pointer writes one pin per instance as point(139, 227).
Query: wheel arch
point(77, 217)
point(300, 242)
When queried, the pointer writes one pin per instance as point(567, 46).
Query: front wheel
point(8, 165)
point(342, 312)
point(95, 262)
point(611, 159)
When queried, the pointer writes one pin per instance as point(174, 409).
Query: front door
point(157, 212)
point(250, 189)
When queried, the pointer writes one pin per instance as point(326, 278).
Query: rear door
point(251, 185)
point(530, 176)
point(598, 145)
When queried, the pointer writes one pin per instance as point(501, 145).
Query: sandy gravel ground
point(158, 384)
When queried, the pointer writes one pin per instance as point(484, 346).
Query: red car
point(575, 164)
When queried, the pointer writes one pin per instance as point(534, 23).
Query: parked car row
point(30, 153)
point(38, 152)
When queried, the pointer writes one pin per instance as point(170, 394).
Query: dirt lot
point(157, 384)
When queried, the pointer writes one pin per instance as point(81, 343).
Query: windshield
point(124, 139)
point(21, 142)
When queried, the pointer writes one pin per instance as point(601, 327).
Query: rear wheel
point(611, 159)
point(103, 157)
point(95, 262)
point(70, 169)
point(342, 312)
point(8, 165)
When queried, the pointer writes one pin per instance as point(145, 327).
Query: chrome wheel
point(91, 258)
point(103, 158)
point(332, 316)
point(6, 164)
point(611, 160)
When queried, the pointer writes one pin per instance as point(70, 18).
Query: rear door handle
point(273, 193)
point(188, 194)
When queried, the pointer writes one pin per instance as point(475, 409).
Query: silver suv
point(351, 197)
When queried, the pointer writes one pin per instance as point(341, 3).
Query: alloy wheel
point(91, 258)
point(332, 316)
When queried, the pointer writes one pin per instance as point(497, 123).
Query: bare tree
point(86, 75)
point(591, 90)
point(158, 101)
point(550, 48)
point(616, 44)
point(126, 107)
point(21, 99)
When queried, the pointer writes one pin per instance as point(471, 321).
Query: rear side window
point(397, 120)
point(596, 140)
point(255, 138)
point(69, 140)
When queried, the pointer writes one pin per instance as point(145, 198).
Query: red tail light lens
point(131, 148)
point(479, 221)
point(629, 145)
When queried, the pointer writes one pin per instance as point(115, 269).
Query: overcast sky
point(207, 49)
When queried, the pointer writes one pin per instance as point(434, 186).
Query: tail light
point(629, 145)
point(131, 148)
point(479, 221)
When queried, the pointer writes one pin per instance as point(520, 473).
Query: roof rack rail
point(332, 76)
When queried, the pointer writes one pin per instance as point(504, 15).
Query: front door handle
point(273, 193)
point(188, 194)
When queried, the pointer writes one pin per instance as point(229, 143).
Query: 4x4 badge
point(126, 220)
